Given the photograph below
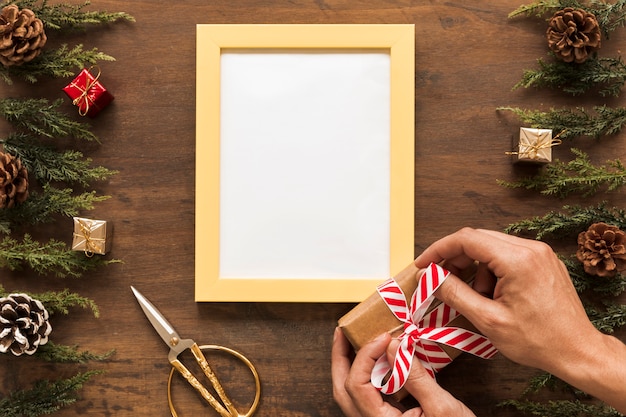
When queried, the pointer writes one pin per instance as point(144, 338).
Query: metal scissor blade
point(159, 322)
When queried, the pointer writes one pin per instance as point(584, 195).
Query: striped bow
point(423, 333)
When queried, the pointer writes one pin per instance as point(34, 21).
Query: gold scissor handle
point(226, 410)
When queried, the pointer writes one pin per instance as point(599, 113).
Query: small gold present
point(535, 145)
point(91, 236)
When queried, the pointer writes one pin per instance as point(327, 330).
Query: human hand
point(357, 397)
point(535, 317)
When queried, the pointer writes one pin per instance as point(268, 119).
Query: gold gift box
point(91, 236)
point(535, 145)
point(372, 317)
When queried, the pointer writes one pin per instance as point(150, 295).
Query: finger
point(364, 395)
point(484, 281)
point(340, 368)
point(475, 307)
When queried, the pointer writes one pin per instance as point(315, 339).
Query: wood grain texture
point(468, 56)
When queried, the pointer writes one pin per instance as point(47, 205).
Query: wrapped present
point(431, 331)
point(91, 236)
point(535, 145)
point(87, 93)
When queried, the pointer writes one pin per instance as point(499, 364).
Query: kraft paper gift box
point(373, 317)
point(535, 145)
point(91, 236)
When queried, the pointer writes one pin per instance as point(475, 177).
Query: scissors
point(178, 346)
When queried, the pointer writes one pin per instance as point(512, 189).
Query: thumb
point(475, 307)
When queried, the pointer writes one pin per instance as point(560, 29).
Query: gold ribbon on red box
point(88, 93)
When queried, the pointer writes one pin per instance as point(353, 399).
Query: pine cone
point(22, 35)
point(13, 181)
point(24, 324)
point(573, 34)
point(602, 250)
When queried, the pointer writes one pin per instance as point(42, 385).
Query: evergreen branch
point(41, 117)
point(574, 123)
point(47, 164)
point(540, 8)
point(57, 63)
point(45, 397)
point(576, 176)
point(563, 408)
point(569, 223)
point(610, 16)
point(52, 352)
point(65, 16)
point(583, 281)
point(539, 382)
point(52, 257)
point(606, 74)
point(60, 302)
point(609, 319)
point(41, 207)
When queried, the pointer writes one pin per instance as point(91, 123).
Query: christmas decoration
point(13, 181)
point(23, 324)
point(573, 34)
point(602, 250)
point(576, 176)
point(606, 76)
point(535, 145)
point(91, 236)
point(88, 94)
point(572, 123)
point(22, 35)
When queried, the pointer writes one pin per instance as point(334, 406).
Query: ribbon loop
point(423, 332)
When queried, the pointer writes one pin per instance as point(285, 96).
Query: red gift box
point(88, 94)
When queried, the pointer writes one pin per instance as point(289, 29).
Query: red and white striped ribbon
point(423, 332)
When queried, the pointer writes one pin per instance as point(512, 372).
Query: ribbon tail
point(390, 379)
point(462, 339)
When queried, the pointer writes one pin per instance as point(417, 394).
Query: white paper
point(304, 164)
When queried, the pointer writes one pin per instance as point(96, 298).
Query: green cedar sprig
point(609, 318)
point(562, 408)
point(573, 123)
point(52, 257)
point(41, 207)
point(47, 164)
point(43, 118)
point(60, 302)
point(67, 17)
point(583, 281)
point(610, 16)
point(606, 75)
point(572, 220)
point(45, 397)
point(61, 62)
point(579, 175)
point(52, 352)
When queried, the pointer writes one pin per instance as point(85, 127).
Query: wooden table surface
point(468, 56)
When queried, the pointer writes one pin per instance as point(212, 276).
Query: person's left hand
point(357, 397)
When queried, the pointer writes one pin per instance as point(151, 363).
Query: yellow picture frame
point(396, 40)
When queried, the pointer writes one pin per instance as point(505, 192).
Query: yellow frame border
point(211, 39)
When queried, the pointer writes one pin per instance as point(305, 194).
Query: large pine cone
point(602, 250)
point(24, 324)
point(22, 35)
point(573, 35)
point(13, 181)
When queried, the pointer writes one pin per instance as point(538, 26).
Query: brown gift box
point(372, 317)
point(91, 236)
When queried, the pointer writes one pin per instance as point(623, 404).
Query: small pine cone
point(21, 36)
point(24, 324)
point(602, 250)
point(13, 181)
point(573, 34)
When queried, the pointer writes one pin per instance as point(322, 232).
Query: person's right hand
point(535, 317)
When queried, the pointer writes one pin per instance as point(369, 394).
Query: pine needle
point(41, 117)
point(45, 397)
point(52, 352)
point(579, 175)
